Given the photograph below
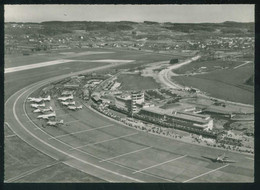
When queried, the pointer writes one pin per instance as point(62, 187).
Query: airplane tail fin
point(61, 121)
point(51, 108)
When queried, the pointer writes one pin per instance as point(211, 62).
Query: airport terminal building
point(185, 119)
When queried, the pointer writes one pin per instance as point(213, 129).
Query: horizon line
point(132, 21)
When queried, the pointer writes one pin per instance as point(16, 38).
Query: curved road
point(164, 74)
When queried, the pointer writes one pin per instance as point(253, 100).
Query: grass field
point(136, 82)
point(60, 173)
point(26, 164)
point(224, 84)
point(19, 60)
point(30, 76)
point(14, 82)
point(209, 64)
point(17, 160)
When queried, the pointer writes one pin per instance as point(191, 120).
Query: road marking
point(28, 113)
point(33, 119)
point(81, 131)
point(112, 60)
point(82, 170)
point(31, 144)
point(131, 169)
point(166, 179)
point(10, 136)
point(206, 173)
point(37, 65)
point(125, 154)
point(63, 152)
point(44, 142)
point(159, 164)
point(105, 141)
point(242, 64)
point(30, 172)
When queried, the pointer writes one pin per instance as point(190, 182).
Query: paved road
point(164, 75)
point(165, 78)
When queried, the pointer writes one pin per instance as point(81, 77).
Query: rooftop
point(199, 118)
point(219, 111)
point(122, 97)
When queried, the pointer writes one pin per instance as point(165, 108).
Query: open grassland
point(60, 173)
point(26, 164)
point(22, 159)
point(15, 81)
point(136, 82)
point(84, 54)
point(210, 65)
point(224, 84)
point(19, 60)
point(27, 77)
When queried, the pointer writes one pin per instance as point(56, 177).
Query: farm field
point(136, 82)
point(224, 84)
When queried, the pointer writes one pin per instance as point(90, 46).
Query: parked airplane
point(43, 110)
point(37, 105)
point(38, 100)
point(68, 103)
point(75, 107)
point(55, 123)
point(64, 98)
point(51, 115)
point(221, 159)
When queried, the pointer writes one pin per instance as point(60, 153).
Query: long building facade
point(198, 121)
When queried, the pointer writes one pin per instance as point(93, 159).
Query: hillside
point(146, 35)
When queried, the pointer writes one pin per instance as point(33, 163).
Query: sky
point(137, 13)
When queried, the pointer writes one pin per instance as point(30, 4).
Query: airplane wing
point(209, 158)
point(229, 161)
point(222, 157)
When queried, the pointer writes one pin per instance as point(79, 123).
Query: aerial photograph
point(129, 93)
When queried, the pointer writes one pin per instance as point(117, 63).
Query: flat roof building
point(123, 102)
point(137, 98)
point(199, 121)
